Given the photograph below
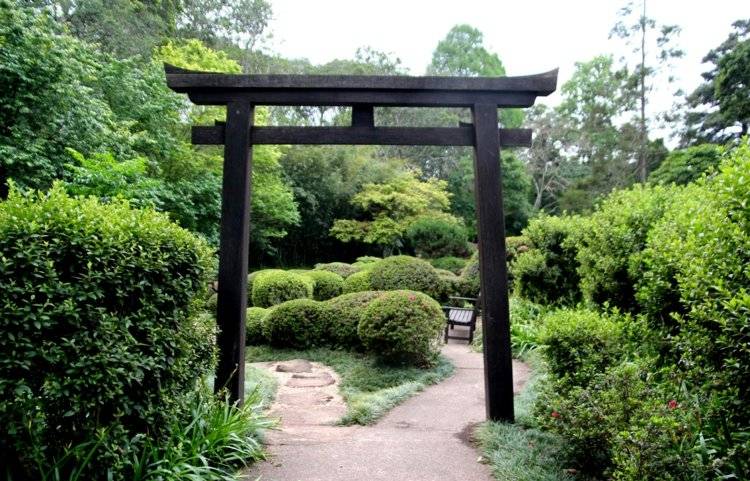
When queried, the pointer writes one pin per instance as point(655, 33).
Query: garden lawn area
point(370, 387)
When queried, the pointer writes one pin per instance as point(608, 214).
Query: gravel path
point(427, 438)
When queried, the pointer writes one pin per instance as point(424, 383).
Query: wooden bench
point(461, 316)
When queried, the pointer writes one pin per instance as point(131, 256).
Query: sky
point(530, 36)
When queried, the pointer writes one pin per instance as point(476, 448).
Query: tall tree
point(720, 106)
point(654, 47)
point(220, 22)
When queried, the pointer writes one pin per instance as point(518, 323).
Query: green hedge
point(342, 316)
point(297, 324)
point(358, 282)
point(403, 326)
point(341, 268)
point(547, 272)
point(273, 287)
point(453, 264)
point(95, 298)
point(326, 285)
point(404, 272)
point(254, 326)
point(609, 247)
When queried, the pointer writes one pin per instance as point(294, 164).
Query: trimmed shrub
point(273, 287)
point(687, 165)
point(251, 279)
point(342, 315)
point(297, 324)
point(433, 237)
point(404, 272)
point(515, 245)
point(403, 326)
point(609, 247)
point(367, 259)
point(341, 268)
point(579, 343)
point(358, 282)
point(94, 298)
point(470, 277)
point(453, 264)
point(547, 272)
point(254, 326)
point(326, 285)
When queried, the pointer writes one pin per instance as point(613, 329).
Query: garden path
point(427, 438)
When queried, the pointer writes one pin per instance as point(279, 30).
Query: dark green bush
point(342, 315)
point(453, 264)
point(297, 324)
point(341, 268)
point(547, 272)
point(687, 165)
point(358, 282)
point(254, 326)
point(326, 285)
point(515, 245)
point(404, 272)
point(610, 246)
point(433, 237)
point(274, 287)
point(403, 326)
point(470, 277)
point(95, 298)
point(579, 343)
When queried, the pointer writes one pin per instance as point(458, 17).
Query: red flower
point(555, 414)
point(672, 404)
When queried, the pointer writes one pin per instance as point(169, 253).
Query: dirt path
point(427, 438)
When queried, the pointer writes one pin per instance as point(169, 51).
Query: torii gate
point(241, 93)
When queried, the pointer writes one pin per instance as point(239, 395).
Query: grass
point(369, 387)
point(520, 451)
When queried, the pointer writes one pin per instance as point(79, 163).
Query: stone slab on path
point(427, 438)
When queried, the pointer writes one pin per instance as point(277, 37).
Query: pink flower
point(555, 414)
point(672, 404)
point(412, 298)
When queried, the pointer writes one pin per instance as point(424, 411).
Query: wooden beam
point(363, 116)
point(204, 135)
point(498, 367)
point(233, 251)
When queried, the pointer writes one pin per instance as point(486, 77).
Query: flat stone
point(295, 365)
point(315, 380)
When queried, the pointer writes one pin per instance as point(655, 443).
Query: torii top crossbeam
point(241, 93)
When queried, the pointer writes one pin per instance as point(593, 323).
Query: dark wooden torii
point(241, 93)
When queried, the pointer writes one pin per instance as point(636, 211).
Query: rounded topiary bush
point(326, 285)
point(358, 282)
point(341, 268)
point(404, 272)
point(403, 326)
point(453, 264)
point(95, 297)
point(254, 326)
point(342, 315)
point(297, 324)
point(433, 237)
point(274, 287)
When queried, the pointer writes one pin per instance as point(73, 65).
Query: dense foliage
point(274, 286)
point(342, 316)
point(404, 272)
point(687, 165)
point(403, 326)
point(432, 237)
point(95, 297)
point(297, 323)
point(325, 284)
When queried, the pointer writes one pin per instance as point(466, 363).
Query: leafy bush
point(358, 282)
point(342, 315)
point(579, 343)
point(696, 287)
point(453, 264)
point(274, 287)
point(341, 268)
point(367, 259)
point(687, 165)
point(403, 326)
point(432, 237)
point(326, 285)
point(297, 324)
point(470, 277)
point(404, 272)
point(609, 247)
point(515, 245)
point(254, 326)
point(251, 280)
point(95, 297)
point(546, 273)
